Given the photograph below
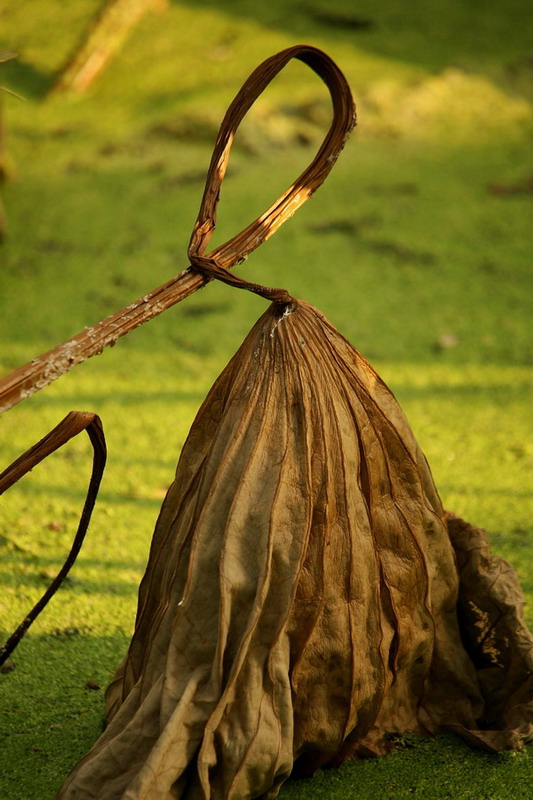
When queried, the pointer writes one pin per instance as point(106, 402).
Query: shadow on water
point(490, 491)
point(26, 79)
point(480, 36)
point(53, 706)
point(81, 561)
point(77, 583)
point(497, 392)
point(122, 398)
point(78, 495)
point(70, 657)
point(24, 569)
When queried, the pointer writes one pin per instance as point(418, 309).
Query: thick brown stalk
point(44, 369)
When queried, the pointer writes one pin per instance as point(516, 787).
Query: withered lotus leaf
point(305, 593)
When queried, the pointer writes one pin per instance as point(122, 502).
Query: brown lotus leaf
point(305, 593)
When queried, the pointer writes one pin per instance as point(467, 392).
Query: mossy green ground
point(416, 248)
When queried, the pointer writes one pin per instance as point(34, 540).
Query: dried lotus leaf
point(301, 595)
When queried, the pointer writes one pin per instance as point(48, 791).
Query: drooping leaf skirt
point(305, 593)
